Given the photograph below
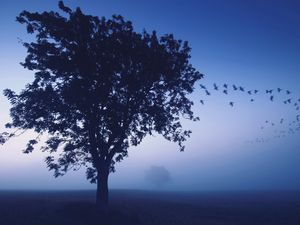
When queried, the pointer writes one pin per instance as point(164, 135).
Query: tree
point(158, 176)
point(99, 88)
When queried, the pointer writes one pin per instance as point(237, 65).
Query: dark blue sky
point(250, 43)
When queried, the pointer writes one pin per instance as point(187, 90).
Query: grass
point(150, 208)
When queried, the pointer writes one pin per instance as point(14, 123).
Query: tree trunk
point(102, 191)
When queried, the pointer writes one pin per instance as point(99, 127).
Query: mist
point(255, 48)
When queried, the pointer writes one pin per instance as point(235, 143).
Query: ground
point(150, 207)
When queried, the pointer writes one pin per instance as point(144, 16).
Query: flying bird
point(292, 126)
point(202, 86)
point(64, 8)
point(216, 87)
point(269, 91)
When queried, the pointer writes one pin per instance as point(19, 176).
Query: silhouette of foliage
point(100, 87)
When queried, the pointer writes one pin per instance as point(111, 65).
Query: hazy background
point(254, 44)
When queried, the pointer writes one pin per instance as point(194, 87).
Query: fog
point(258, 48)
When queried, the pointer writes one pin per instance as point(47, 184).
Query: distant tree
point(158, 175)
point(99, 88)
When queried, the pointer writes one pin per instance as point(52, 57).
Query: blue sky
point(254, 44)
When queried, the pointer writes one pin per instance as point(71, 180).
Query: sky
point(253, 44)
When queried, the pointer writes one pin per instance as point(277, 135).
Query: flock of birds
point(291, 127)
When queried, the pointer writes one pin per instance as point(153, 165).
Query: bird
point(271, 94)
point(64, 8)
point(269, 91)
point(216, 87)
point(202, 86)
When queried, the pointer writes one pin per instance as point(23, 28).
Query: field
point(150, 207)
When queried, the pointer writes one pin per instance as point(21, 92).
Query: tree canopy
point(99, 88)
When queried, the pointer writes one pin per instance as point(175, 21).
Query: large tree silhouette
point(99, 88)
